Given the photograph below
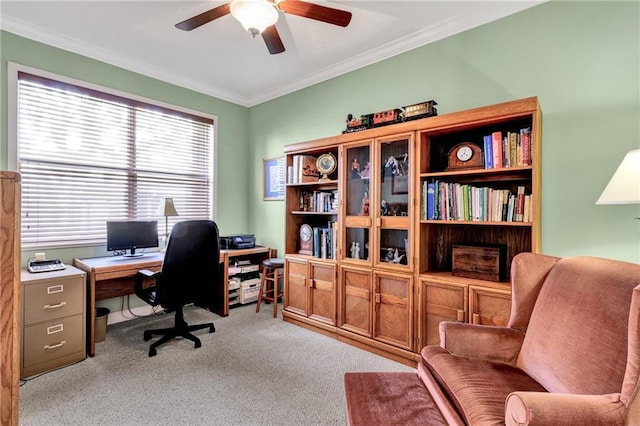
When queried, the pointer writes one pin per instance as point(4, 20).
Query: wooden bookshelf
point(389, 294)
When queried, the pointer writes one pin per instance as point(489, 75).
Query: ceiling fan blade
point(315, 11)
point(204, 18)
point(272, 40)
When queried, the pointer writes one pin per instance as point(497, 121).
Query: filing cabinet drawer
point(50, 340)
point(53, 299)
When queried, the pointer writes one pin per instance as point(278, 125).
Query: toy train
point(391, 116)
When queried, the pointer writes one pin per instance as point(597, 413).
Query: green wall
point(581, 59)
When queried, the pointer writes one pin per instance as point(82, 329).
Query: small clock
point(465, 155)
point(306, 240)
point(326, 164)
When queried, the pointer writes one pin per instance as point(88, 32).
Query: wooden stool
point(269, 284)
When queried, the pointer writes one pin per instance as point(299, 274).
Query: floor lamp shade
point(624, 186)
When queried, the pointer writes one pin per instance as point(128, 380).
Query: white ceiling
point(222, 60)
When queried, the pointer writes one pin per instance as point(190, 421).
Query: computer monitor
point(131, 235)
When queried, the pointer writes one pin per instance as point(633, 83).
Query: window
point(88, 156)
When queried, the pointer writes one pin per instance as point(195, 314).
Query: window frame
point(13, 70)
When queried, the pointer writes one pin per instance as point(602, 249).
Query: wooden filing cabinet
point(53, 320)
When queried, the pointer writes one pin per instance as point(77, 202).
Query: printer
point(238, 242)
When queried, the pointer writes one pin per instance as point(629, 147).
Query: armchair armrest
point(498, 344)
point(547, 409)
point(146, 294)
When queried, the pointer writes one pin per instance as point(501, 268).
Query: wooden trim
point(9, 297)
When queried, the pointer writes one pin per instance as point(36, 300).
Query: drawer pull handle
point(55, 329)
point(56, 306)
point(55, 289)
point(56, 346)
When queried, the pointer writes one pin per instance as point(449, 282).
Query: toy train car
point(391, 116)
point(420, 110)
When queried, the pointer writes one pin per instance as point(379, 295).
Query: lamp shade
point(166, 208)
point(624, 186)
point(254, 15)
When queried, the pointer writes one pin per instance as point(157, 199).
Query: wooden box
point(483, 262)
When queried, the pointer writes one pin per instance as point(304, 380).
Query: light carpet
point(254, 370)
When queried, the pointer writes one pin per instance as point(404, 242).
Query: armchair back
point(582, 336)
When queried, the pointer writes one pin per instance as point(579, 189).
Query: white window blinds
point(87, 157)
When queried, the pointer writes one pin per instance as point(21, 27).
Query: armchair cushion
point(478, 388)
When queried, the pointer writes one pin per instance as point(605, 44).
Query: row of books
point(304, 169)
point(325, 241)
point(510, 149)
point(463, 202)
point(319, 201)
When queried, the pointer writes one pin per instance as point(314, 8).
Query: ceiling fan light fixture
point(254, 15)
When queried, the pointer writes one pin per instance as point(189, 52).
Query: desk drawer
point(54, 299)
point(50, 340)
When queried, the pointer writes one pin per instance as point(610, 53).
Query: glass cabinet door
point(393, 186)
point(357, 203)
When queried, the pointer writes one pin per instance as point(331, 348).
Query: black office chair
point(190, 274)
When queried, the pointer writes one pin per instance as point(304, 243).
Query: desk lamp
point(166, 209)
point(624, 186)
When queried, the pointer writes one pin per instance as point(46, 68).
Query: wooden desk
point(112, 276)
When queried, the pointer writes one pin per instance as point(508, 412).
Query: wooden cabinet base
point(361, 342)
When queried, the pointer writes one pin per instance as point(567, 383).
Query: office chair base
point(180, 329)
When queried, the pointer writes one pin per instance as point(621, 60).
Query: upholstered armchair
point(569, 355)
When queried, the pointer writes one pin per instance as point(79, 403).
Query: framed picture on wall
point(273, 176)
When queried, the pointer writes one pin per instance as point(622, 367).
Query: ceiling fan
point(260, 16)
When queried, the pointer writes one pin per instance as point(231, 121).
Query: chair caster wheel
point(152, 352)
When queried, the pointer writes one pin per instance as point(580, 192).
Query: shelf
point(481, 172)
point(473, 223)
point(448, 277)
point(316, 183)
point(298, 212)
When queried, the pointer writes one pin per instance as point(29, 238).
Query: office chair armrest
point(146, 294)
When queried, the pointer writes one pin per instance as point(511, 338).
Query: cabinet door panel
point(322, 292)
point(489, 306)
point(393, 313)
point(296, 288)
point(356, 301)
point(440, 302)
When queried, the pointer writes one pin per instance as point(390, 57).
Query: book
point(519, 207)
point(488, 152)
point(513, 149)
point(525, 143)
point(431, 191)
point(496, 145)
point(316, 241)
point(526, 215)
